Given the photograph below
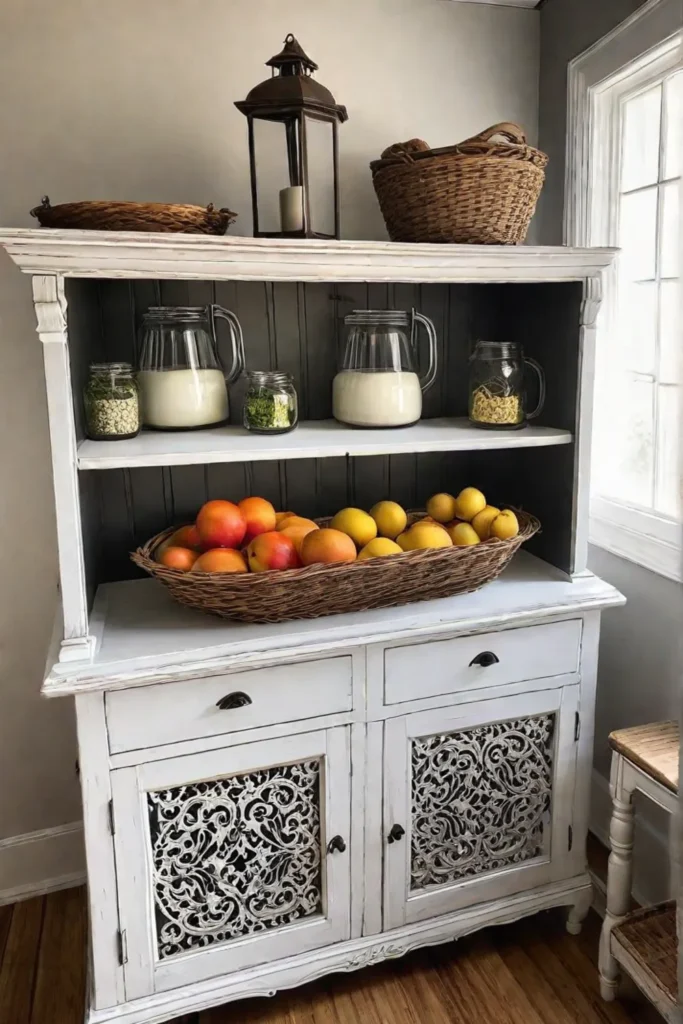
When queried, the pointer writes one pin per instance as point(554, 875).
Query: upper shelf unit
point(312, 440)
point(109, 254)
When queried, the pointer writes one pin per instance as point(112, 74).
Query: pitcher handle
point(430, 376)
point(541, 387)
point(236, 340)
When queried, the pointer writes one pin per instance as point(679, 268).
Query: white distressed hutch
point(264, 804)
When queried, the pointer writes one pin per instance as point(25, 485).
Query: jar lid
point(380, 317)
point(498, 349)
point(111, 367)
point(265, 377)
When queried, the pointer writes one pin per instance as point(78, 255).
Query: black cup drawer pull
point(485, 659)
point(336, 845)
point(234, 700)
point(396, 833)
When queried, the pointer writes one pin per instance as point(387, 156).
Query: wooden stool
point(644, 759)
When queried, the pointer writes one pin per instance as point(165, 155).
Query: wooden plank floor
point(531, 972)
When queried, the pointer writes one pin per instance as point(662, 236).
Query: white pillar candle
point(292, 208)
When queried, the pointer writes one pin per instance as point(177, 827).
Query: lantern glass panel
point(278, 166)
point(319, 145)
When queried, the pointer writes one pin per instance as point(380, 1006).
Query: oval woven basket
point(122, 216)
point(318, 590)
point(481, 192)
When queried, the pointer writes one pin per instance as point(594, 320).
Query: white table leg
point(619, 871)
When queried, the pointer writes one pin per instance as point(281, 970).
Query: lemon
point(356, 524)
point(441, 507)
point(463, 535)
point(482, 521)
point(391, 519)
point(379, 547)
point(468, 504)
point(424, 535)
point(505, 526)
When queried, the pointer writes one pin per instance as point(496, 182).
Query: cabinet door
point(477, 802)
point(225, 860)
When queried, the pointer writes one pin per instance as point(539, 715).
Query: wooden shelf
point(312, 440)
point(143, 637)
point(126, 254)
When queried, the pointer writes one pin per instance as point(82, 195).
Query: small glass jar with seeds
point(270, 403)
point(110, 401)
point(497, 391)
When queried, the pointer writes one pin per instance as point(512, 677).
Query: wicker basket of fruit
point(297, 568)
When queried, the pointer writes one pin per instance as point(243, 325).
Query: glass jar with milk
point(378, 384)
point(183, 385)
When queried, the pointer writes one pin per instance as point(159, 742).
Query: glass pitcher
point(378, 383)
point(182, 383)
point(498, 393)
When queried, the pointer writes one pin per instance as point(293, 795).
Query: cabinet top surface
point(144, 637)
point(114, 254)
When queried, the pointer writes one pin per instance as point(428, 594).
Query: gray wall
point(641, 659)
point(127, 100)
point(568, 27)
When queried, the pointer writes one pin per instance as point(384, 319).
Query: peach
point(296, 521)
point(279, 516)
point(297, 533)
point(272, 551)
point(221, 560)
point(327, 546)
point(186, 537)
point(220, 524)
point(177, 558)
point(259, 515)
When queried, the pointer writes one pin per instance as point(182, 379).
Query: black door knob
point(397, 832)
point(336, 845)
point(485, 659)
point(233, 700)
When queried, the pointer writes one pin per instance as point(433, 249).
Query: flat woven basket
point(120, 216)
point(483, 191)
point(318, 590)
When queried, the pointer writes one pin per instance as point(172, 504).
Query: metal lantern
point(293, 137)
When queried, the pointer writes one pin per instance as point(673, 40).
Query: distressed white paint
point(627, 778)
point(317, 439)
point(109, 254)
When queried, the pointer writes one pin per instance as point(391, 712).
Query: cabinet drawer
point(508, 656)
point(169, 712)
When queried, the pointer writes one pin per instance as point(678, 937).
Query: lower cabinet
point(232, 858)
point(477, 802)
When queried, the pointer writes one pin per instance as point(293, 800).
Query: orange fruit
point(221, 560)
point(177, 558)
point(327, 546)
point(297, 533)
point(293, 520)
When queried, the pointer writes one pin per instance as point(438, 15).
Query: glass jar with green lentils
point(270, 403)
point(110, 399)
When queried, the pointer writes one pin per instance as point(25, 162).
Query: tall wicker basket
point(483, 191)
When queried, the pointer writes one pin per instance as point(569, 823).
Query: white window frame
point(645, 46)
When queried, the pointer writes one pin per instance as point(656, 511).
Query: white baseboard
point(651, 862)
point(39, 862)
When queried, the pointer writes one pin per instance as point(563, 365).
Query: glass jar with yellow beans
point(498, 386)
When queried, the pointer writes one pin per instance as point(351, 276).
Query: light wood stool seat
point(644, 759)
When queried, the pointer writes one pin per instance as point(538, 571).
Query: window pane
point(668, 491)
point(629, 465)
point(670, 333)
point(670, 241)
point(638, 327)
point(638, 235)
point(640, 146)
point(674, 122)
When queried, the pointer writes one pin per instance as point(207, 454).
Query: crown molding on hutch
point(528, 4)
point(113, 254)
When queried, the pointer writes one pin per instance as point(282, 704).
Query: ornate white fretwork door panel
point(232, 858)
point(477, 799)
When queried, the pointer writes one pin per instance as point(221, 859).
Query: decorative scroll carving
point(592, 300)
point(480, 799)
point(235, 856)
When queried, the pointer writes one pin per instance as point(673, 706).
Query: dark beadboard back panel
point(299, 328)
